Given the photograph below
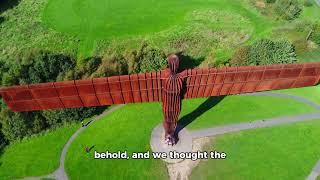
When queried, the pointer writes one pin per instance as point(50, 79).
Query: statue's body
point(171, 100)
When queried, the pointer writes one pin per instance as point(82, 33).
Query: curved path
point(60, 173)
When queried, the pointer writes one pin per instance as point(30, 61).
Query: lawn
point(90, 27)
point(282, 152)
point(311, 56)
point(311, 93)
point(236, 109)
point(109, 18)
point(202, 28)
point(130, 127)
point(36, 155)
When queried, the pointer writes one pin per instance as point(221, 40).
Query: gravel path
point(253, 125)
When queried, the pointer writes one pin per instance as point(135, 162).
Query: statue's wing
point(248, 79)
point(136, 88)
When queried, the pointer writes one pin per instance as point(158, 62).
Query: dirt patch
point(182, 170)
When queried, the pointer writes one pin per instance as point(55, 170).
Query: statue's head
point(173, 61)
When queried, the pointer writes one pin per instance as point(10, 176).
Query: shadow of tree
point(204, 107)
point(8, 4)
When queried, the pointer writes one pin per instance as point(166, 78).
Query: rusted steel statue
point(171, 99)
point(169, 86)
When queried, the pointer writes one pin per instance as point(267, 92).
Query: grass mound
point(36, 155)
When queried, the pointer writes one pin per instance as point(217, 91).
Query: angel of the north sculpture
point(169, 86)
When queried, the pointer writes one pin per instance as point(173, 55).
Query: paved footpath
point(315, 172)
point(60, 173)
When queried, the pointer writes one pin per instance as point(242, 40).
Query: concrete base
point(158, 144)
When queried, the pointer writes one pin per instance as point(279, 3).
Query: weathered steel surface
point(148, 87)
point(84, 93)
point(171, 99)
point(247, 79)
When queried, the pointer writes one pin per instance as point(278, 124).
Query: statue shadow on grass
point(8, 4)
point(204, 107)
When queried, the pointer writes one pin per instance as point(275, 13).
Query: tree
point(261, 52)
point(151, 59)
point(264, 52)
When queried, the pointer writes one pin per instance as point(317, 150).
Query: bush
point(308, 3)
point(58, 117)
point(240, 57)
point(111, 65)
point(265, 52)
point(315, 36)
point(151, 59)
point(270, 1)
point(15, 125)
point(85, 70)
point(288, 9)
point(36, 66)
point(261, 52)
point(284, 53)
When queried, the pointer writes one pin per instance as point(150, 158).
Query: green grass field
point(126, 129)
point(283, 152)
point(312, 56)
point(90, 27)
point(36, 155)
point(311, 93)
point(202, 28)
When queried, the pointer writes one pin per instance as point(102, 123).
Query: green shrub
point(36, 66)
point(315, 36)
point(261, 52)
point(111, 65)
point(16, 125)
point(240, 57)
point(151, 59)
point(85, 70)
point(308, 3)
point(284, 53)
point(288, 9)
point(265, 52)
point(59, 117)
point(270, 1)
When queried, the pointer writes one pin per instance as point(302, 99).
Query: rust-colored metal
point(171, 99)
point(168, 86)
